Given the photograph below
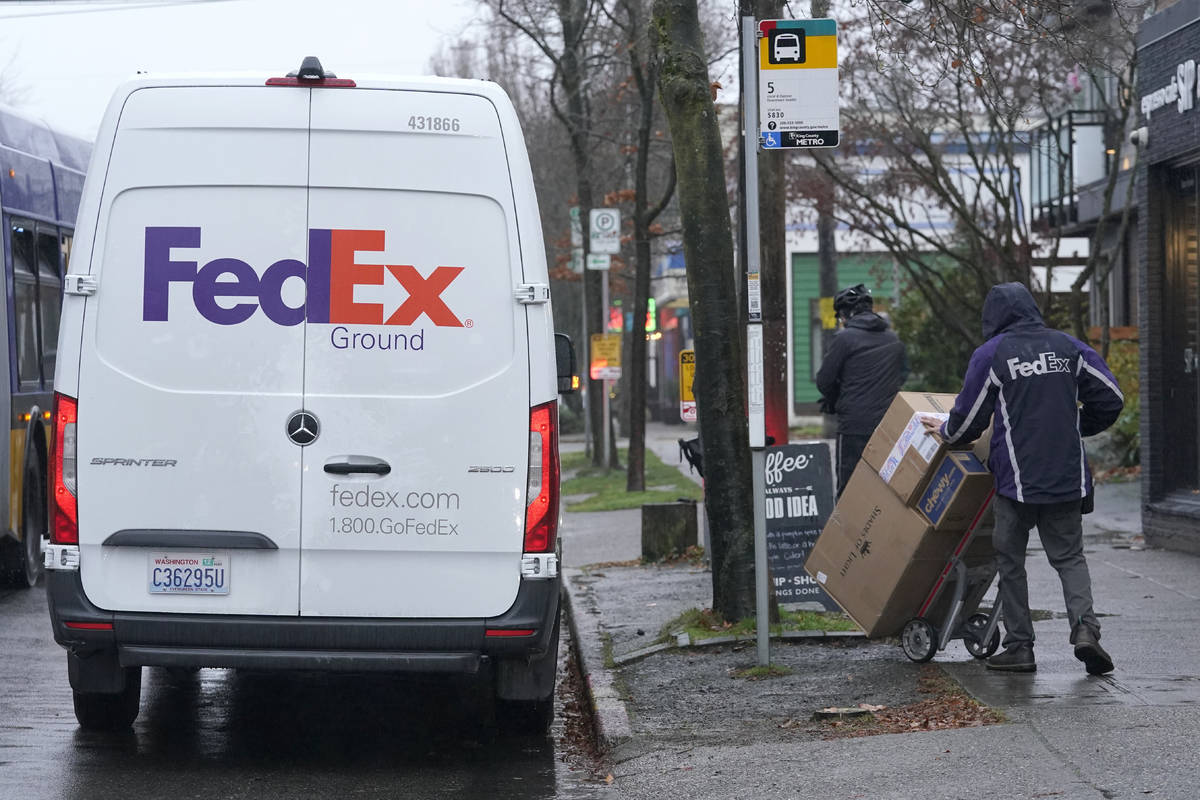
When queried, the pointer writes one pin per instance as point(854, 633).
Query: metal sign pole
point(754, 334)
point(586, 346)
point(605, 383)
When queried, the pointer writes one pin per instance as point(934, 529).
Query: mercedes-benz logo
point(303, 428)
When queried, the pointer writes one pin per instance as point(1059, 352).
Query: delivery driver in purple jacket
point(1047, 390)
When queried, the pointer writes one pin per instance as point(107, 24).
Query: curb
point(583, 619)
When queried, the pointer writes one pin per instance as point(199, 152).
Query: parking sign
point(605, 231)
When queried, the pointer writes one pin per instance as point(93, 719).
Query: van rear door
point(187, 377)
point(413, 492)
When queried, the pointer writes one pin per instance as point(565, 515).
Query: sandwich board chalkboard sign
point(800, 498)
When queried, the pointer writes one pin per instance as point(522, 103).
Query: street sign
point(599, 261)
point(606, 356)
point(605, 231)
point(577, 260)
point(576, 228)
point(798, 83)
point(687, 375)
point(828, 315)
point(799, 500)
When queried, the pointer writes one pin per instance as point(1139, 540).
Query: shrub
point(1123, 360)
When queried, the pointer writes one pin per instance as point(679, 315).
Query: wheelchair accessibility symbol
point(770, 139)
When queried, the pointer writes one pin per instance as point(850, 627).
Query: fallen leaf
point(608, 778)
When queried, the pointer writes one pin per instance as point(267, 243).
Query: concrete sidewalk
point(679, 723)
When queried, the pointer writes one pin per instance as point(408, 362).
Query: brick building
point(1168, 244)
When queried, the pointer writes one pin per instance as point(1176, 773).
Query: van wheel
point(525, 717)
point(33, 528)
point(110, 712)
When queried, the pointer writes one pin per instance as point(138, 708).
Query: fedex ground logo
point(229, 291)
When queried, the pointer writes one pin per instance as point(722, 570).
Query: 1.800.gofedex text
point(389, 525)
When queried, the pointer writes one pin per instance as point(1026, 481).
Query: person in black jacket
point(1047, 390)
point(860, 375)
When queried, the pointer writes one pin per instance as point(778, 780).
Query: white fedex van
point(306, 396)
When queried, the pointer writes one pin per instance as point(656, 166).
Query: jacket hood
point(867, 321)
point(1009, 306)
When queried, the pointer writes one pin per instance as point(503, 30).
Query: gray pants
point(1060, 527)
point(850, 448)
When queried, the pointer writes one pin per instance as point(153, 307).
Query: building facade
point(1168, 244)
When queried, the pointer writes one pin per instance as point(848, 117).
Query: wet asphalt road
point(227, 734)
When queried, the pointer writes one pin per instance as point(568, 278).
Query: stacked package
point(910, 507)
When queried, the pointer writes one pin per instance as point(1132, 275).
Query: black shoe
point(1018, 658)
point(1088, 650)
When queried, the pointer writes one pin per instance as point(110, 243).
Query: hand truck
point(959, 610)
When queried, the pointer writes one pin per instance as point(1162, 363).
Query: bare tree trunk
point(635, 475)
point(708, 250)
point(573, 17)
point(645, 73)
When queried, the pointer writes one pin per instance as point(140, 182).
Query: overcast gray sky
point(68, 56)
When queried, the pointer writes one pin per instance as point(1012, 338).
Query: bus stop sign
point(798, 83)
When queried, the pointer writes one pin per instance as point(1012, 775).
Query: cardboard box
point(957, 489)
point(899, 450)
point(877, 557)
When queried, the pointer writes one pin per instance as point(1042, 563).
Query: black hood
point(867, 321)
point(1009, 307)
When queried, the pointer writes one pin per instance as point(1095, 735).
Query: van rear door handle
point(353, 465)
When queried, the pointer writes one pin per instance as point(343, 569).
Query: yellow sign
point(828, 316)
point(606, 356)
point(687, 376)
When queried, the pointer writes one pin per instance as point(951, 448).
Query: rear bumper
point(318, 643)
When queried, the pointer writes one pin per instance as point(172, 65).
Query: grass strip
point(607, 487)
point(707, 624)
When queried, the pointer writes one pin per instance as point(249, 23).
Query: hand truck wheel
point(976, 627)
point(919, 640)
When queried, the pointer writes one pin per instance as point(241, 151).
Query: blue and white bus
point(41, 175)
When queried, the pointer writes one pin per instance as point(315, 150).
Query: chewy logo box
point(957, 490)
point(899, 450)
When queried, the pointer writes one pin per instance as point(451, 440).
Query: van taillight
point(63, 507)
point(541, 515)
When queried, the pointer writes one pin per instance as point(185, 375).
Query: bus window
point(25, 305)
point(66, 239)
point(49, 298)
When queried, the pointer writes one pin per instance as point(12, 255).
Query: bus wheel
point(33, 527)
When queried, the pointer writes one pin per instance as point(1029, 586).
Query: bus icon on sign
point(787, 47)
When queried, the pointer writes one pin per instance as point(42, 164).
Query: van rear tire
point(525, 717)
point(532, 717)
point(98, 711)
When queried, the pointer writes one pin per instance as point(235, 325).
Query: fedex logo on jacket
point(329, 278)
point(1043, 365)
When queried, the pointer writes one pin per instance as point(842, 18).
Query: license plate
point(189, 573)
